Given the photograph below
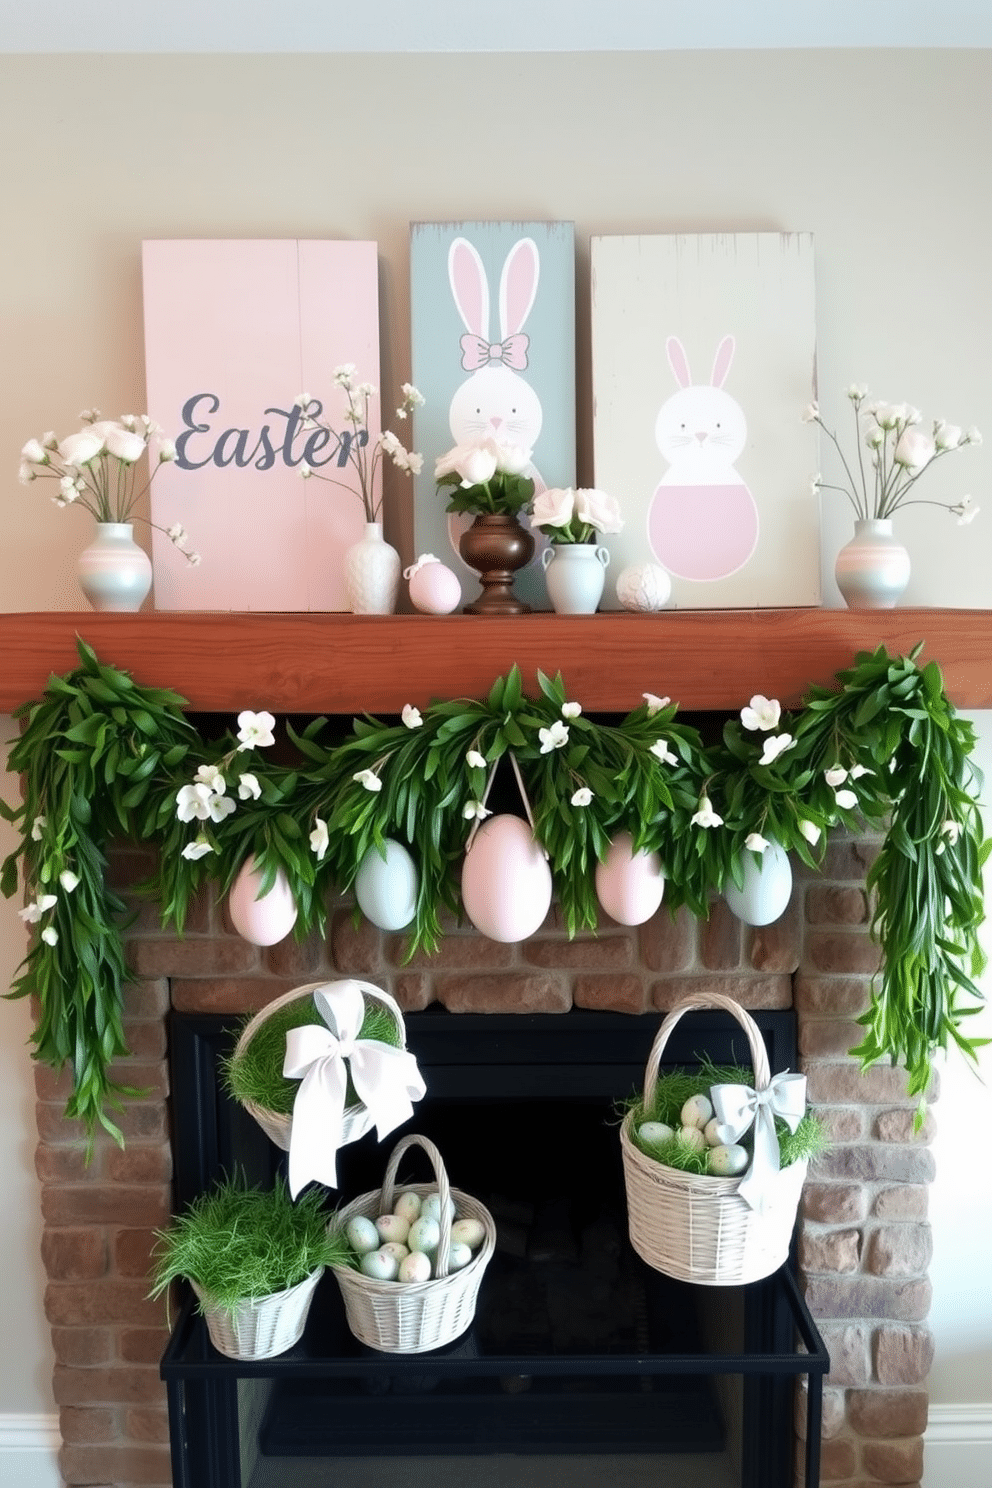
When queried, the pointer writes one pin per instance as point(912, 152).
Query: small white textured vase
point(372, 574)
point(575, 574)
point(872, 570)
point(114, 572)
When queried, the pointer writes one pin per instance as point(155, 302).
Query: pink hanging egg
point(506, 881)
point(261, 920)
point(629, 885)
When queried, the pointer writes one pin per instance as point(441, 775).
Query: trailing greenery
point(100, 756)
point(256, 1073)
point(239, 1242)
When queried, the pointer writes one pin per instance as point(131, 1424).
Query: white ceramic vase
point(767, 886)
point(372, 574)
point(114, 572)
point(872, 570)
point(575, 574)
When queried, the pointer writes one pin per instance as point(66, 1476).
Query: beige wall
point(883, 156)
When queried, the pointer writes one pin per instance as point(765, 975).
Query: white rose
point(913, 450)
point(124, 444)
point(79, 449)
point(598, 510)
point(512, 459)
point(553, 508)
point(946, 436)
point(477, 464)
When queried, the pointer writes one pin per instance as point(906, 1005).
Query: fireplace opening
point(578, 1348)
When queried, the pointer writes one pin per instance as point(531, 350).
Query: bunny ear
point(518, 286)
point(678, 361)
point(722, 360)
point(469, 286)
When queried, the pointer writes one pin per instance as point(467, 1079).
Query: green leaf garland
point(102, 757)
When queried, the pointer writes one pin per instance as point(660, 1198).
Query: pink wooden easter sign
point(235, 331)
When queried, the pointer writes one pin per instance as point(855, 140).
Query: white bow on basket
point(386, 1080)
point(737, 1107)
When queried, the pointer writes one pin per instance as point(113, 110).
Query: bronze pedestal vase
point(496, 546)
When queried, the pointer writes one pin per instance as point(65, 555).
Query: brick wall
point(865, 1241)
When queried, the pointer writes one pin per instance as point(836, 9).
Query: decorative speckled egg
point(727, 1161)
point(629, 885)
point(386, 887)
point(434, 588)
point(261, 920)
point(644, 586)
point(767, 887)
point(506, 881)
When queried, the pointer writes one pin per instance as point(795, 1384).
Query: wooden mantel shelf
point(706, 660)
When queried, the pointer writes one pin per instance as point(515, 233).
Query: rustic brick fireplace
point(864, 1241)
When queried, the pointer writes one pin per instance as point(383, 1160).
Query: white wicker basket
point(260, 1327)
point(277, 1126)
point(411, 1317)
point(694, 1227)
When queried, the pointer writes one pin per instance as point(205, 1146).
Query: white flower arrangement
point(353, 443)
point(488, 477)
point(568, 516)
point(898, 454)
point(95, 468)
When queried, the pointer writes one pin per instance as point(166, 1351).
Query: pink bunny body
point(703, 520)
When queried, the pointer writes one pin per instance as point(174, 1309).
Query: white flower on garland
point(763, 714)
point(475, 760)
point(198, 848)
point(706, 816)
point(555, 737)
point(37, 828)
point(655, 703)
point(662, 752)
point(50, 935)
point(211, 777)
point(835, 776)
point(571, 710)
point(756, 842)
point(582, 796)
point(775, 746)
point(248, 786)
point(319, 839)
point(193, 803)
point(68, 880)
point(32, 913)
point(810, 831)
point(475, 811)
point(255, 730)
point(411, 717)
point(846, 799)
point(950, 832)
point(369, 779)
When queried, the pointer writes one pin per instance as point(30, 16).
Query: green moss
point(256, 1073)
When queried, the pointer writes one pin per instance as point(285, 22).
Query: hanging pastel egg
point(644, 586)
point(434, 588)
point(767, 886)
point(629, 885)
point(261, 919)
point(386, 888)
point(506, 881)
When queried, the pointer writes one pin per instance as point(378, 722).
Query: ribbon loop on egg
point(738, 1107)
point(386, 1080)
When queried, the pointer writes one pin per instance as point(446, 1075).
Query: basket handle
point(697, 1001)
point(388, 1193)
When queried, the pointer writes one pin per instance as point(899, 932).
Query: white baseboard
point(29, 1448)
point(958, 1447)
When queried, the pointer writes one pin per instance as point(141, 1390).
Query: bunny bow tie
point(386, 1081)
point(478, 352)
point(736, 1107)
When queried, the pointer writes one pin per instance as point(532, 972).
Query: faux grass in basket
point(296, 1009)
point(412, 1317)
point(695, 1227)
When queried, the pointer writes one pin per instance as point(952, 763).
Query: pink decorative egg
point(629, 885)
point(434, 588)
point(261, 921)
point(506, 881)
